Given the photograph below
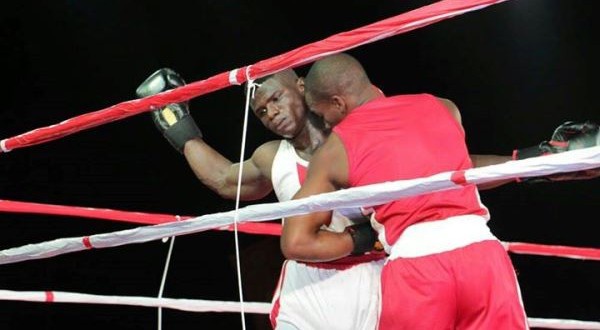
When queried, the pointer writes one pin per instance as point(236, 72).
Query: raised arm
point(218, 173)
point(221, 175)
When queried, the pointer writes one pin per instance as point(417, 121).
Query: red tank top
point(407, 137)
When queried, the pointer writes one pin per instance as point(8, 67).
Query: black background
point(516, 70)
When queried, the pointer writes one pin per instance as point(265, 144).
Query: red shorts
point(469, 288)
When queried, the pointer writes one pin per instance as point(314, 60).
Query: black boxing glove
point(568, 136)
point(364, 238)
point(572, 136)
point(173, 120)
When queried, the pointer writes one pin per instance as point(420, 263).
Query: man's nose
point(272, 111)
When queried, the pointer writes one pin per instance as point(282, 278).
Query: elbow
point(287, 254)
point(228, 190)
point(289, 250)
point(292, 248)
point(226, 193)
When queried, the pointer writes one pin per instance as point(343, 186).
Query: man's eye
point(261, 111)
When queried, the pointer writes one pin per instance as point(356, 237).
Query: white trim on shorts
point(432, 237)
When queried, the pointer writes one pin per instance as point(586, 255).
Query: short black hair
point(257, 81)
point(286, 75)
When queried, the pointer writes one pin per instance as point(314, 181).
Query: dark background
point(516, 70)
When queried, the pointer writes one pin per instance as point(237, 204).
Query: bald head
point(285, 77)
point(336, 85)
point(339, 74)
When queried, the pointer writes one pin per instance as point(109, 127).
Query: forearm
point(302, 238)
point(320, 247)
point(179, 128)
point(486, 160)
point(219, 173)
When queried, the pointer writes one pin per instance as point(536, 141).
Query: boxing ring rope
point(163, 226)
point(583, 159)
point(273, 229)
point(9, 206)
point(570, 161)
point(575, 160)
point(553, 250)
point(302, 55)
point(197, 305)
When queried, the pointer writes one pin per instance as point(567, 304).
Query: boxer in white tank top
point(343, 294)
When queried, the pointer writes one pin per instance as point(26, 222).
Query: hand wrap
point(363, 237)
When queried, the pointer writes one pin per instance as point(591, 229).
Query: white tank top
point(288, 173)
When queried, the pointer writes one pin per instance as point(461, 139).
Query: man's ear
point(339, 103)
point(300, 84)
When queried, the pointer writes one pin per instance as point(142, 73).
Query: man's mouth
point(281, 125)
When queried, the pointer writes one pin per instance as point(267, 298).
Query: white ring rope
point(237, 202)
point(163, 280)
point(189, 305)
point(562, 324)
point(196, 305)
point(375, 194)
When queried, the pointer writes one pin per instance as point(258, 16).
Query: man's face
point(280, 107)
point(327, 109)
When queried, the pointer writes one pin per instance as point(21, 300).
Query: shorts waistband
point(432, 237)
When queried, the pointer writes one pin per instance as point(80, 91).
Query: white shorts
point(309, 297)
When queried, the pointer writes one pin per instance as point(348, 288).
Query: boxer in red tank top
point(445, 268)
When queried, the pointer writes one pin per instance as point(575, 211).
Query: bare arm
point(486, 160)
point(478, 160)
point(301, 238)
point(221, 175)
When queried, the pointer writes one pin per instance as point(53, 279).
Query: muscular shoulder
point(263, 156)
point(332, 161)
point(452, 108)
